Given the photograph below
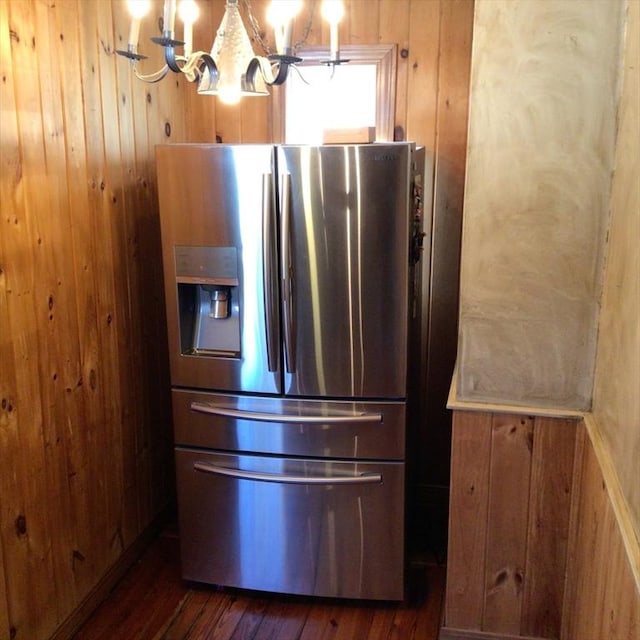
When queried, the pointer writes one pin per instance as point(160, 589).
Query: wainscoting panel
point(535, 549)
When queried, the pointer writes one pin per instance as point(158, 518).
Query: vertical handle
point(268, 271)
point(287, 272)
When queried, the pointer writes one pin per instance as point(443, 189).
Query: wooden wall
point(534, 547)
point(602, 593)
point(85, 438)
point(616, 401)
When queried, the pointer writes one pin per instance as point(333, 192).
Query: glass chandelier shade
point(232, 53)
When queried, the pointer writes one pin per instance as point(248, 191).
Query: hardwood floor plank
point(354, 623)
point(283, 620)
point(321, 623)
point(253, 612)
point(382, 623)
point(143, 601)
point(186, 616)
point(152, 602)
point(428, 615)
point(218, 620)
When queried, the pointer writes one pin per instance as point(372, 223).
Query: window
point(347, 96)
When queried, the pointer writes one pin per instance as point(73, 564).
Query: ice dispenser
point(208, 300)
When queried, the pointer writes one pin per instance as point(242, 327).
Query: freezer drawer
point(315, 428)
point(300, 526)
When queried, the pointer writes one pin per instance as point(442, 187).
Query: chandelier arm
point(253, 67)
point(205, 63)
point(282, 71)
point(150, 77)
point(274, 70)
point(170, 58)
point(194, 65)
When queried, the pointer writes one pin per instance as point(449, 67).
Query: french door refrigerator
point(291, 281)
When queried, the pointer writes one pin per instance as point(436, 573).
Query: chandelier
point(231, 69)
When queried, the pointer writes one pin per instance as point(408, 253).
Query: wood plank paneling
point(124, 429)
point(469, 503)
point(84, 461)
point(96, 244)
point(422, 89)
point(603, 599)
point(509, 477)
point(27, 534)
point(548, 530)
point(77, 482)
point(394, 28)
point(12, 486)
point(553, 561)
point(363, 18)
point(440, 334)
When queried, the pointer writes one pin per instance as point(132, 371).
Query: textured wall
point(616, 401)
point(541, 140)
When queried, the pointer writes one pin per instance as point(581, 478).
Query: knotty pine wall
point(536, 550)
point(85, 437)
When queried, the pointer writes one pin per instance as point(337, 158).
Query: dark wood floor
point(153, 603)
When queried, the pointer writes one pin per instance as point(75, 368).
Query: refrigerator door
point(345, 230)
point(293, 525)
point(219, 243)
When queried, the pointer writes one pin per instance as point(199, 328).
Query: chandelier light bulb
point(280, 15)
point(138, 8)
point(332, 11)
point(280, 12)
point(188, 11)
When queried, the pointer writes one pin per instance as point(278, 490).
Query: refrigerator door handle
point(287, 272)
point(364, 478)
point(268, 274)
point(261, 416)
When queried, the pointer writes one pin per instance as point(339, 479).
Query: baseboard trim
point(447, 633)
point(113, 575)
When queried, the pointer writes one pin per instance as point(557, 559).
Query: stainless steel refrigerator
point(291, 282)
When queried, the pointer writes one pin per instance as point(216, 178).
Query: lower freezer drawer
point(309, 527)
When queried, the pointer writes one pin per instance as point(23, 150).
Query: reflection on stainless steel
point(274, 417)
point(214, 202)
point(293, 434)
point(288, 280)
point(350, 269)
point(269, 274)
point(362, 478)
point(326, 540)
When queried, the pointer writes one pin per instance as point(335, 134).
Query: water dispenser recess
point(208, 301)
point(219, 301)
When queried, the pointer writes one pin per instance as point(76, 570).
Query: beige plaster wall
point(540, 156)
point(616, 400)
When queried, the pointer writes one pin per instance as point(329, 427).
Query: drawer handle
point(365, 478)
point(202, 407)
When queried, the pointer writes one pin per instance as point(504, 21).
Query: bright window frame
point(383, 56)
